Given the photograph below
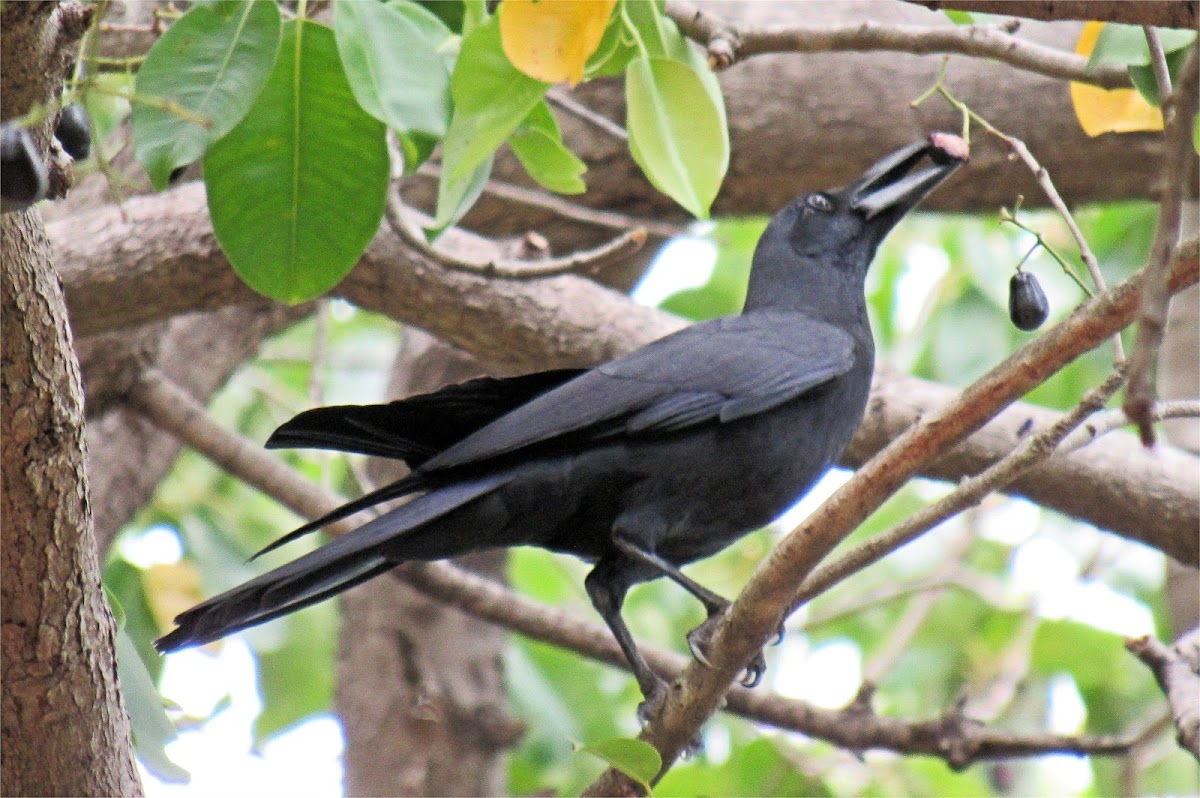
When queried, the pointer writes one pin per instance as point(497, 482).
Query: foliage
point(279, 110)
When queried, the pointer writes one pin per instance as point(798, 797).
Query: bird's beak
point(888, 186)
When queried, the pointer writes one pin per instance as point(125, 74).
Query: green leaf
point(213, 64)
point(1143, 79)
point(455, 197)
point(394, 68)
point(448, 12)
point(1126, 45)
point(437, 32)
point(548, 162)
point(475, 13)
point(491, 97)
point(152, 729)
point(959, 17)
point(615, 51)
point(635, 758)
point(677, 133)
point(296, 191)
point(539, 147)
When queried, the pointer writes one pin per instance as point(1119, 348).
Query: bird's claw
point(752, 674)
point(699, 637)
point(777, 638)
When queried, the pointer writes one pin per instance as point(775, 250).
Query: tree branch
point(585, 262)
point(727, 44)
point(970, 492)
point(1160, 13)
point(1179, 111)
point(1177, 669)
point(118, 274)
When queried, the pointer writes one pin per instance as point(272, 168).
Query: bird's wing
point(714, 372)
point(416, 428)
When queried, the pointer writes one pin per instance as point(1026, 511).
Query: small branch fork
point(957, 739)
point(585, 262)
point(1177, 669)
point(727, 44)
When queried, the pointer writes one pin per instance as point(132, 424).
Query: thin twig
point(1110, 420)
point(968, 493)
point(567, 209)
point(1178, 110)
point(598, 121)
point(176, 411)
point(728, 44)
point(1047, 185)
point(588, 262)
point(1158, 60)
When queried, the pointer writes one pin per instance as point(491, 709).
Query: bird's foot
point(699, 638)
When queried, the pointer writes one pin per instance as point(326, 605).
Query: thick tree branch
point(728, 43)
point(757, 612)
point(1160, 13)
point(118, 274)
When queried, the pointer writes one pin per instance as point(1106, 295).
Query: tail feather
point(339, 565)
point(410, 484)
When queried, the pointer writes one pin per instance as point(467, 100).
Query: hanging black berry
point(74, 131)
point(23, 178)
point(1027, 303)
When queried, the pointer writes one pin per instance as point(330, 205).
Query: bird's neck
point(819, 292)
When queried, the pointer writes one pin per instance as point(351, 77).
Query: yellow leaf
point(1104, 111)
point(551, 40)
point(171, 589)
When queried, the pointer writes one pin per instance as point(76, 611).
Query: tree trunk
point(65, 731)
point(63, 726)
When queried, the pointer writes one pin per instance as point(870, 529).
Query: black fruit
point(1027, 303)
point(74, 131)
point(22, 171)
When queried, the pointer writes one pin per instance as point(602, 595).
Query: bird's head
point(827, 235)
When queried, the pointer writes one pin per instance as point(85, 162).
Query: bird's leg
point(606, 587)
point(714, 604)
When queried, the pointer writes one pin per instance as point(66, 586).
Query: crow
point(641, 465)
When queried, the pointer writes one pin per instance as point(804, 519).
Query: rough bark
point(63, 726)
point(65, 731)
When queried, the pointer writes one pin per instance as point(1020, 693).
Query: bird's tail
point(339, 565)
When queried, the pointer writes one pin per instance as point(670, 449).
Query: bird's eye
point(820, 202)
